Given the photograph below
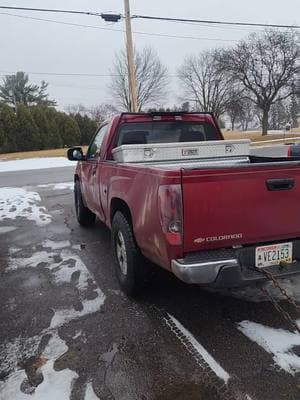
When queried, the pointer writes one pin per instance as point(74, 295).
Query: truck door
point(92, 173)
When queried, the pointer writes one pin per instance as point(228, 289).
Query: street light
point(129, 50)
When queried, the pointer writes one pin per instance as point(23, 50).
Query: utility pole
point(130, 58)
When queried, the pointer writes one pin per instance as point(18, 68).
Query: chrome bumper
point(202, 273)
point(226, 272)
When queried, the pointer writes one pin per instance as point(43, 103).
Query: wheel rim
point(121, 253)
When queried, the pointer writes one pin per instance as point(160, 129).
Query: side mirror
point(75, 154)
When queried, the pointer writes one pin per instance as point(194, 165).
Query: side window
point(95, 146)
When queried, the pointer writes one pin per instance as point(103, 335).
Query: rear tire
point(129, 263)
point(84, 215)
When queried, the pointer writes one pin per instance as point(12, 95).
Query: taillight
point(289, 153)
point(170, 209)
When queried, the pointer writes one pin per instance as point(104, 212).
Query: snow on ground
point(278, 342)
point(55, 384)
point(20, 203)
point(90, 394)
point(58, 186)
point(213, 364)
point(62, 244)
point(7, 229)
point(35, 163)
point(63, 263)
point(61, 260)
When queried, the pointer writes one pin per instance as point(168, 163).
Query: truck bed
point(240, 205)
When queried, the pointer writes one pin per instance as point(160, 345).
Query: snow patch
point(7, 229)
point(56, 245)
point(213, 364)
point(89, 393)
point(77, 334)
point(56, 384)
point(63, 264)
point(35, 163)
point(56, 347)
point(58, 186)
point(77, 247)
point(32, 262)
point(277, 342)
point(63, 316)
point(11, 353)
point(20, 203)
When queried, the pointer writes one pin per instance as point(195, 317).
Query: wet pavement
point(67, 332)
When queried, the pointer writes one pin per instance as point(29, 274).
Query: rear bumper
point(221, 270)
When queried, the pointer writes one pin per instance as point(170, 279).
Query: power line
point(119, 30)
point(89, 75)
point(150, 17)
point(60, 74)
point(184, 20)
point(50, 10)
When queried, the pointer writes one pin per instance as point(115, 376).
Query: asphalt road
point(36, 177)
point(67, 332)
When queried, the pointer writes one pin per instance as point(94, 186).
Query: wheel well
point(120, 205)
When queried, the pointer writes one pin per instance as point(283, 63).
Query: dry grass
point(35, 154)
point(257, 136)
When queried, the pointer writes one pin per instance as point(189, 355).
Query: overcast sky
point(39, 46)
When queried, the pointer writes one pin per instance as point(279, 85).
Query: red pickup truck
point(210, 222)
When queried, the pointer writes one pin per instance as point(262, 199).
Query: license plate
point(274, 254)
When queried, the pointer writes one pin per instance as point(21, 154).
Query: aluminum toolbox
point(141, 153)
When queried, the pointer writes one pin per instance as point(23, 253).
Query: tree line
point(39, 127)
point(30, 121)
point(257, 79)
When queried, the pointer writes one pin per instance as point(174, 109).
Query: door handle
point(280, 184)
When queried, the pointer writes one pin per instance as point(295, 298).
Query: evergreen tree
point(40, 118)
point(69, 130)
point(27, 137)
point(16, 89)
point(3, 138)
point(87, 128)
point(54, 139)
point(8, 121)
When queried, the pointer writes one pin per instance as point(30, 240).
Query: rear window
point(165, 132)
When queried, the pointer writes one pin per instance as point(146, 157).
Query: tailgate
point(228, 207)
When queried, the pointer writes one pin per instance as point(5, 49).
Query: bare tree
point(266, 65)
point(279, 116)
point(97, 113)
point(76, 109)
point(248, 116)
point(205, 84)
point(151, 76)
point(235, 107)
point(102, 112)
